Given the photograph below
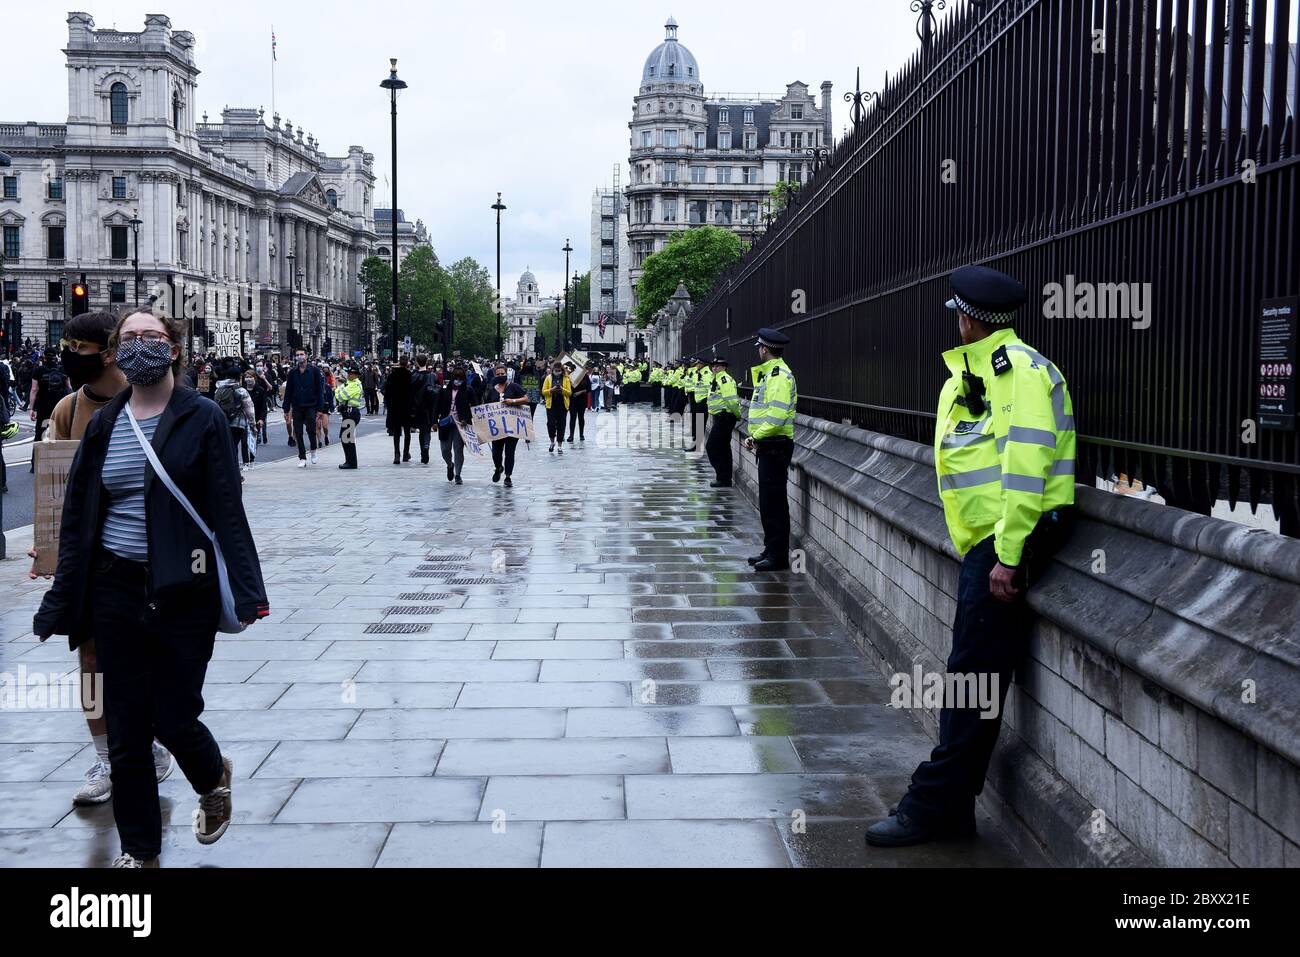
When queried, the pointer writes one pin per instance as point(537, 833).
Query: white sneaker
point(302, 463)
point(163, 762)
point(313, 458)
point(97, 786)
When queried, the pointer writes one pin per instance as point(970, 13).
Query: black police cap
point(770, 337)
point(986, 294)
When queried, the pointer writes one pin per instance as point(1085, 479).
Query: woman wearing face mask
point(139, 575)
point(508, 393)
point(260, 390)
point(455, 404)
point(557, 390)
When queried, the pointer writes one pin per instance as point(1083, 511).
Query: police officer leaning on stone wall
point(1004, 453)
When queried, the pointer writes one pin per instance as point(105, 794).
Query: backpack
point(56, 385)
point(227, 398)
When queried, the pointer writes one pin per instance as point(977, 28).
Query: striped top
point(124, 527)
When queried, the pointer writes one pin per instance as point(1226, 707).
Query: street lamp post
point(136, 223)
point(567, 249)
point(577, 343)
point(299, 277)
point(392, 85)
point(559, 339)
point(290, 258)
point(500, 208)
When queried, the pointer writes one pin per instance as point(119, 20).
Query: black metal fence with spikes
point(1112, 141)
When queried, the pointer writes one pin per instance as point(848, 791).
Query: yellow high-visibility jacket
point(723, 396)
point(1001, 470)
point(772, 409)
point(349, 395)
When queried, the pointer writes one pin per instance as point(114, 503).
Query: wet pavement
point(578, 671)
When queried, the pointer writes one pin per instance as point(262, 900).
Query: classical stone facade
point(409, 235)
point(241, 211)
point(521, 314)
point(698, 159)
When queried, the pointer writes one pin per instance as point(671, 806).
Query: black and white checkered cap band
point(983, 315)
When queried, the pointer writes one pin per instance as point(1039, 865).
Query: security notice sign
point(51, 461)
point(1278, 321)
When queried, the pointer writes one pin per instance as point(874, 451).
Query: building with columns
point(521, 314)
point(409, 235)
point(247, 214)
point(713, 159)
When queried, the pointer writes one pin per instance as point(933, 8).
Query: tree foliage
point(696, 257)
point(782, 194)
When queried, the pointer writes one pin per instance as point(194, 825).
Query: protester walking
point(302, 398)
point(424, 398)
point(397, 402)
point(557, 390)
point(148, 593)
point(511, 394)
point(236, 403)
point(578, 403)
point(455, 405)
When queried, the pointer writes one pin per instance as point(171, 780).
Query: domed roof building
point(670, 62)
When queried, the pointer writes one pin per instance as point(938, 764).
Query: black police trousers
point(774, 457)
point(348, 437)
point(718, 446)
point(989, 638)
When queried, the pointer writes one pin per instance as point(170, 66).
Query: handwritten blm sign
point(497, 421)
point(53, 462)
point(472, 445)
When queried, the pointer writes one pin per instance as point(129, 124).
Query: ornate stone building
point(521, 314)
point(240, 211)
point(700, 159)
point(409, 235)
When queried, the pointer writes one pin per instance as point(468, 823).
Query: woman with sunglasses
point(138, 574)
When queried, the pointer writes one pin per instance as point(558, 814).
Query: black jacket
point(397, 400)
point(464, 408)
point(303, 388)
point(193, 443)
point(424, 393)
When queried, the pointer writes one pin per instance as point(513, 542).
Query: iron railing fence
point(1148, 143)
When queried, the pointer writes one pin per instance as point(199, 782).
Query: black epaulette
point(1001, 361)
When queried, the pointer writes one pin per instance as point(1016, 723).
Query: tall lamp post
point(292, 275)
point(567, 249)
point(500, 208)
point(392, 85)
point(577, 342)
point(136, 223)
point(559, 338)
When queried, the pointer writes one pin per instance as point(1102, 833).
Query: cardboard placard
point(203, 383)
point(472, 444)
point(497, 421)
point(52, 462)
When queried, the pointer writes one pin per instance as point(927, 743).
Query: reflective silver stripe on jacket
point(960, 480)
point(1033, 484)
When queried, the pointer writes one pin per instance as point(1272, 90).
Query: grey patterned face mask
point(144, 361)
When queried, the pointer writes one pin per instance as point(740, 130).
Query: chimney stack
point(829, 132)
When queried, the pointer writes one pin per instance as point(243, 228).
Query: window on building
point(724, 141)
point(181, 256)
point(11, 187)
point(117, 292)
point(332, 197)
point(670, 139)
point(53, 292)
point(118, 242)
point(796, 172)
point(749, 117)
point(176, 110)
point(698, 174)
point(796, 141)
point(606, 303)
point(751, 141)
point(607, 205)
point(701, 140)
point(607, 279)
point(796, 112)
point(644, 210)
point(670, 209)
point(723, 211)
point(55, 188)
point(647, 139)
point(607, 256)
point(11, 242)
point(606, 230)
point(11, 290)
point(724, 116)
point(385, 252)
point(54, 242)
point(749, 213)
point(119, 187)
point(697, 212)
point(670, 172)
point(180, 193)
point(751, 175)
point(724, 175)
point(784, 142)
point(117, 104)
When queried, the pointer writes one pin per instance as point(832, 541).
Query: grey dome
point(670, 62)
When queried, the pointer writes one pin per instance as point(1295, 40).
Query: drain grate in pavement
point(397, 629)
point(422, 596)
point(412, 610)
point(472, 581)
point(419, 574)
point(460, 559)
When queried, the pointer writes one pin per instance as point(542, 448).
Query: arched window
point(117, 104)
point(383, 251)
point(332, 198)
point(176, 110)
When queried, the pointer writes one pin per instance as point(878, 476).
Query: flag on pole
point(603, 319)
point(273, 56)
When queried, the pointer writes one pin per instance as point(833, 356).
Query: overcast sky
point(528, 98)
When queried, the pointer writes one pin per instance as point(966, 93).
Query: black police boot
point(898, 830)
point(757, 558)
point(719, 485)
point(771, 565)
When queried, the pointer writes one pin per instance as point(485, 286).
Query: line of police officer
point(1004, 450)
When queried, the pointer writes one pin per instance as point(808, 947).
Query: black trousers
point(698, 417)
point(348, 438)
point(400, 451)
point(718, 446)
point(153, 654)
point(503, 456)
point(578, 416)
point(773, 506)
point(555, 416)
point(304, 420)
point(988, 637)
point(426, 441)
point(372, 401)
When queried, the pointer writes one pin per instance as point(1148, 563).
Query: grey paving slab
point(564, 756)
point(569, 797)
point(649, 722)
point(351, 758)
point(712, 796)
point(32, 762)
point(508, 723)
point(553, 694)
point(516, 845)
point(350, 800)
point(733, 755)
point(662, 844)
point(358, 694)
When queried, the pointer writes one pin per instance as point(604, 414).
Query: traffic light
point(446, 324)
point(80, 298)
